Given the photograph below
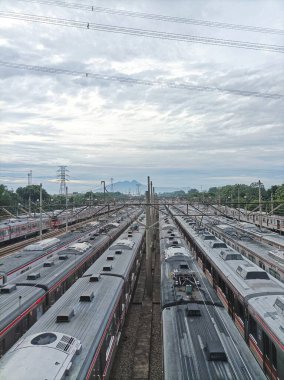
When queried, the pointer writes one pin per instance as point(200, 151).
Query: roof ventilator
point(110, 257)
point(65, 315)
point(8, 289)
point(48, 264)
point(107, 268)
point(63, 257)
point(193, 310)
point(87, 296)
point(230, 255)
point(95, 278)
point(279, 305)
point(215, 351)
point(33, 276)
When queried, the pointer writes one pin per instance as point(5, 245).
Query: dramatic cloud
point(102, 129)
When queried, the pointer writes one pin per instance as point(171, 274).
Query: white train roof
point(55, 351)
point(271, 310)
point(176, 251)
point(42, 245)
point(247, 278)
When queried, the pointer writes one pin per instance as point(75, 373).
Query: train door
point(2, 347)
point(269, 357)
point(278, 224)
point(231, 301)
point(39, 311)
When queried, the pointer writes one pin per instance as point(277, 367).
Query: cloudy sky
point(102, 129)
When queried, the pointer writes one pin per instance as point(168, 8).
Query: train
point(78, 336)
point(264, 249)
point(20, 228)
point(198, 338)
point(253, 298)
point(34, 282)
point(264, 220)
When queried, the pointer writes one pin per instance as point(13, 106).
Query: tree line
point(247, 196)
point(23, 197)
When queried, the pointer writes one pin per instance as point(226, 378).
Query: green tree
point(7, 197)
point(32, 191)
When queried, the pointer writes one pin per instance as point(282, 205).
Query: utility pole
point(239, 202)
point(30, 173)
point(66, 205)
point(259, 203)
point(40, 212)
point(104, 183)
point(148, 242)
point(272, 206)
point(138, 188)
point(111, 185)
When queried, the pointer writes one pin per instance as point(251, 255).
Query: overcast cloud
point(102, 129)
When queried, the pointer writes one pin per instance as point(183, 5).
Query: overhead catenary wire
point(136, 81)
point(158, 17)
point(142, 32)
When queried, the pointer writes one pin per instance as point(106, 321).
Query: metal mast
point(62, 177)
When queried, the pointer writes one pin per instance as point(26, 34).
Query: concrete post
point(148, 245)
point(260, 205)
point(66, 206)
point(40, 211)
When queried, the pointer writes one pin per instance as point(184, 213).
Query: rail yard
point(211, 308)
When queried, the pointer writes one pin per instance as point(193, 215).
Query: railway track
point(7, 250)
point(139, 354)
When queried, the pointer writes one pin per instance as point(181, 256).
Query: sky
point(102, 129)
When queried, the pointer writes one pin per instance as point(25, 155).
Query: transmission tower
point(30, 177)
point(111, 185)
point(62, 177)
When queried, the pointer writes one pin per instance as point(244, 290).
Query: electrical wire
point(136, 81)
point(142, 32)
point(158, 17)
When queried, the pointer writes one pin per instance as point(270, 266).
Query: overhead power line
point(142, 32)
point(151, 16)
point(135, 81)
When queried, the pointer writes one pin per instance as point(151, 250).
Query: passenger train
point(272, 222)
point(78, 336)
point(198, 337)
point(19, 228)
point(253, 298)
point(44, 272)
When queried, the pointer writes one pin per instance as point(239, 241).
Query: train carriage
point(54, 273)
point(242, 286)
point(198, 338)
point(80, 332)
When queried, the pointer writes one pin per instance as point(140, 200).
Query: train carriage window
point(261, 265)
point(274, 355)
point(253, 327)
point(266, 348)
point(251, 258)
point(274, 273)
point(240, 310)
point(2, 347)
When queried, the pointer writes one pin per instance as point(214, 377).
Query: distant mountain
point(131, 187)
